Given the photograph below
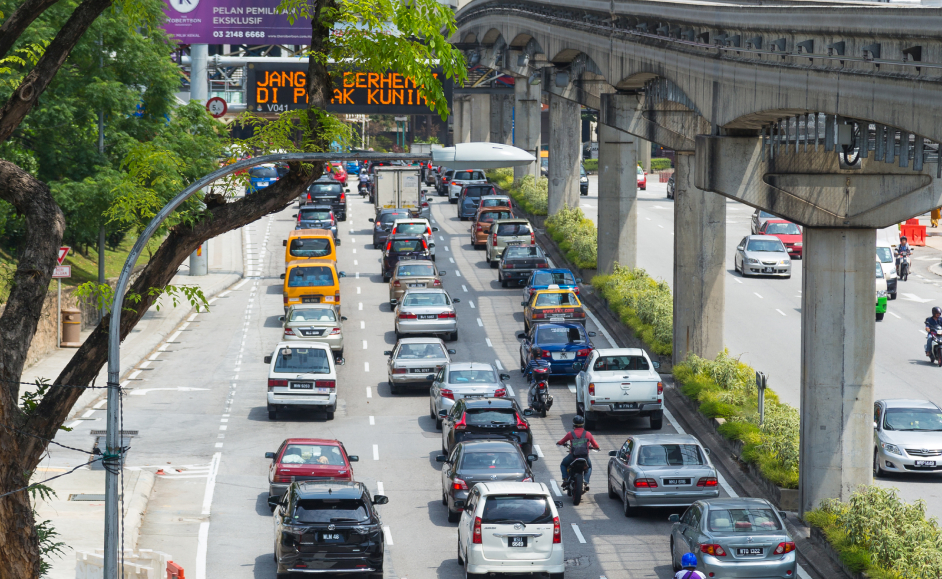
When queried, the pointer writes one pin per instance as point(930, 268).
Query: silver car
point(907, 437)
point(759, 218)
point(762, 255)
point(415, 361)
point(460, 380)
point(734, 537)
point(314, 323)
point(660, 470)
point(427, 311)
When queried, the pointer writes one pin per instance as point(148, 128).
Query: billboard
point(233, 22)
point(280, 87)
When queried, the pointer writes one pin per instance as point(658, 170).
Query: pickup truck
point(620, 383)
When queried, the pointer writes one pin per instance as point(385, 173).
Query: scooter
point(538, 396)
point(575, 484)
point(902, 269)
point(935, 350)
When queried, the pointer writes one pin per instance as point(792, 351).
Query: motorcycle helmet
point(902, 238)
point(936, 310)
point(688, 560)
point(578, 421)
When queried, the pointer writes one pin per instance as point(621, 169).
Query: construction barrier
point(664, 176)
point(914, 233)
point(143, 564)
point(174, 571)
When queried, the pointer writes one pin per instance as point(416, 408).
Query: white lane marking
point(358, 289)
point(736, 279)
point(357, 275)
point(915, 298)
point(757, 295)
point(211, 484)
point(510, 391)
point(360, 305)
point(144, 364)
point(471, 304)
point(212, 300)
point(575, 529)
point(240, 284)
point(88, 413)
point(225, 293)
point(894, 315)
point(457, 273)
point(201, 543)
point(441, 237)
point(372, 421)
point(658, 207)
point(379, 488)
point(539, 452)
point(464, 287)
point(480, 323)
point(488, 340)
point(224, 419)
point(388, 535)
point(802, 574)
point(452, 260)
point(354, 250)
point(353, 240)
point(355, 262)
point(369, 392)
point(661, 226)
point(779, 311)
point(191, 318)
point(919, 276)
point(223, 427)
point(174, 336)
point(154, 357)
point(648, 218)
point(375, 452)
point(555, 487)
point(134, 374)
point(362, 324)
point(73, 424)
point(366, 366)
point(364, 344)
point(100, 404)
point(447, 248)
point(499, 367)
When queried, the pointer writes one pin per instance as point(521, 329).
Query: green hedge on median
point(576, 236)
point(642, 303)
point(660, 163)
point(529, 193)
point(591, 164)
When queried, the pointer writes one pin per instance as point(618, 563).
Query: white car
point(417, 226)
point(510, 527)
point(302, 375)
point(462, 178)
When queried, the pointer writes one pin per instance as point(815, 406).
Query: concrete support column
point(465, 135)
point(699, 265)
point(618, 195)
point(455, 119)
point(480, 120)
point(527, 110)
point(502, 119)
point(199, 72)
point(644, 154)
point(837, 348)
point(565, 150)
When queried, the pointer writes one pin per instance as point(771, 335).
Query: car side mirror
point(452, 351)
point(347, 190)
point(521, 335)
point(505, 376)
point(270, 455)
point(441, 458)
point(456, 300)
point(343, 318)
point(340, 361)
point(707, 450)
point(434, 229)
point(294, 215)
point(656, 365)
point(282, 276)
point(783, 514)
point(342, 274)
point(578, 280)
point(353, 458)
point(527, 412)
point(284, 243)
point(443, 413)
point(380, 499)
point(387, 353)
point(612, 453)
point(281, 318)
point(523, 303)
point(442, 272)
point(268, 359)
point(532, 458)
point(674, 518)
point(559, 504)
point(577, 366)
point(431, 244)
point(459, 504)
point(274, 502)
point(370, 220)
point(591, 334)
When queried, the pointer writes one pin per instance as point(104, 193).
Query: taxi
point(553, 304)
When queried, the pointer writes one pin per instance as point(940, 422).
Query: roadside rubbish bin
point(71, 328)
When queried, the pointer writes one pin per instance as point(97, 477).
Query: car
point(523, 531)
point(262, 176)
point(642, 179)
point(464, 177)
point(787, 232)
point(660, 470)
point(301, 459)
point(328, 192)
point(383, 224)
point(314, 323)
point(907, 437)
point(482, 221)
point(620, 383)
point(329, 527)
point(430, 172)
point(302, 376)
point(442, 180)
point(882, 295)
point(506, 232)
point(552, 305)
point(544, 278)
point(486, 418)
point(670, 187)
point(469, 200)
point(886, 255)
point(318, 217)
point(403, 247)
point(415, 361)
point(734, 537)
point(583, 181)
point(339, 172)
point(353, 167)
point(427, 311)
point(496, 201)
point(517, 262)
point(759, 218)
point(762, 255)
point(544, 166)
point(476, 461)
point(411, 275)
point(565, 345)
point(417, 225)
point(463, 380)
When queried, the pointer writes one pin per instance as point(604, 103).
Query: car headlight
point(881, 294)
point(785, 262)
point(752, 260)
point(797, 244)
point(891, 448)
point(584, 179)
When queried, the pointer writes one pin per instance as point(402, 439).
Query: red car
point(642, 179)
point(339, 172)
point(300, 459)
point(788, 232)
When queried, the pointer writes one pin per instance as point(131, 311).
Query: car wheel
point(657, 420)
point(612, 493)
point(880, 317)
point(438, 424)
point(494, 263)
point(454, 336)
point(590, 422)
point(487, 257)
point(460, 560)
point(674, 564)
point(893, 296)
point(444, 500)
point(454, 517)
point(330, 415)
point(431, 410)
point(628, 509)
point(272, 413)
point(398, 335)
point(877, 469)
point(503, 283)
point(394, 388)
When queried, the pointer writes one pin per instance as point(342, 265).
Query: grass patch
point(576, 236)
point(660, 164)
point(642, 303)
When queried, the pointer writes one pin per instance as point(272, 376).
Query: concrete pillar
point(699, 265)
point(465, 135)
point(199, 72)
point(527, 111)
point(480, 120)
point(565, 150)
point(644, 154)
point(837, 347)
point(502, 110)
point(618, 195)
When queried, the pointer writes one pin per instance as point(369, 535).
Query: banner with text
point(233, 22)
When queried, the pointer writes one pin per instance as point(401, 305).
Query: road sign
point(217, 106)
point(400, 119)
point(62, 271)
point(63, 251)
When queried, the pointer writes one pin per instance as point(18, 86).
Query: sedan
point(415, 361)
point(464, 380)
point(481, 226)
point(477, 461)
point(552, 305)
point(486, 418)
point(787, 232)
point(762, 255)
point(565, 346)
point(660, 470)
point(427, 311)
point(496, 201)
point(316, 323)
point(907, 437)
point(734, 537)
point(300, 459)
point(411, 275)
point(518, 262)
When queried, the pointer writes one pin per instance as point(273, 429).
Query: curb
point(137, 506)
point(936, 268)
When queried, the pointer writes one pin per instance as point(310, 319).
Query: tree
point(374, 34)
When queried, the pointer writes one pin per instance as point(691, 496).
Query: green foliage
point(45, 532)
point(12, 67)
point(529, 193)
point(660, 164)
point(428, 141)
point(102, 295)
point(576, 236)
point(591, 164)
point(643, 303)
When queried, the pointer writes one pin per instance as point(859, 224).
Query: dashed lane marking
point(464, 287)
point(372, 421)
point(555, 487)
point(375, 452)
point(779, 311)
point(369, 392)
point(379, 488)
point(499, 367)
point(388, 535)
point(757, 295)
point(480, 323)
point(471, 304)
point(575, 529)
point(366, 366)
point(452, 260)
point(539, 451)
point(488, 340)
point(895, 316)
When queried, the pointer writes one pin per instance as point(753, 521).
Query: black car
point(670, 187)
point(442, 180)
point(486, 418)
point(328, 527)
point(518, 262)
point(470, 199)
point(583, 181)
point(327, 192)
point(317, 217)
point(384, 222)
point(471, 462)
point(403, 246)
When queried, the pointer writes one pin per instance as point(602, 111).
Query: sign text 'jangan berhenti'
point(279, 87)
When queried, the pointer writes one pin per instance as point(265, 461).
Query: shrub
point(576, 236)
point(529, 193)
point(591, 164)
point(660, 164)
point(643, 303)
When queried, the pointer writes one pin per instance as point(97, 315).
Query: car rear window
point(311, 276)
point(472, 377)
point(550, 278)
point(310, 247)
point(491, 216)
point(469, 176)
point(765, 215)
point(264, 172)
point(526, 509)
point(419, 300)
point(414, 228)
point(765, 245)
point(304, 360)
point(751, 520)
point(390, 217)
point(401, 245)
point(479, 191)
point(313, 454)
point(513, 229)
point(559, 335)
point(523, 252)
point(608, 363)
point(420, 351)
point(412, 270)
point(331, 511)
point(557, 299)
point(314, 215)
point(496, 202)
point(670, 455)
point(782, 229)
point(490, 416)
point(504, 460)
point(326, 189)
point(313, 315)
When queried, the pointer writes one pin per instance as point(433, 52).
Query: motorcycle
point(902, 268)
point(538, 396)
point(935, 350)
point(363, 187)
point(575, 484)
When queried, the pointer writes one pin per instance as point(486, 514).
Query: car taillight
point(407, 316)
point(480, 228)
point(546, 354)
point(508, 265)
point(425, 204)
point(309, 197)
point(437, 282)
point(336, 297)
point(446, 315)
point(576, 290)
point(285, 298)
point(446, 393)
point(527, 479)
point(289, 332)
point(538, 316)
point(521, 423)
point(494, 239)
point(476, 533)
point(459, 485)
point(539, 265)
point(578, 314)
point(299, 218)
point(557, 535)
point(660, 388)
point(424, 245)
point(399, 371)
point(343, 197)
point(591, 389)
point(325, 383)
point(713, 549)
point(706, 481)
point(388, 245)
point(428, 230)
point(500, 393)
point(274, 383)
point(645, 483)
point(784, 548)
point(335, 331)
point(396, 283)
point(282, 478)
point(532, 239)
point(583, 353)
point(461, 424)
point(332, 216)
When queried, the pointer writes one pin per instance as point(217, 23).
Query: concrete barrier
point(144, 564)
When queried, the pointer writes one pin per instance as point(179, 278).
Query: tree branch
point(14, 26)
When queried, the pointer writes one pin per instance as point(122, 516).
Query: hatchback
point(762, 255)
point(383, 224)
point(482, 221)
point(314, 323)
point(442, 180)
point(486, 418)
point(506, 232)
point(403, 247)
point(464, 381)
point(415, 361)
point(907, 437)
point(261, 177)
point(461, 178)
point(302, 459)
point(427, 311)
point(302, 376)
point(413, 275)
point(564, 345)
point(418, 226)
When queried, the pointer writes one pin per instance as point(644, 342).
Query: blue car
point(353, 167)
point(263, 176)
point(562, 345)
point(557, 278)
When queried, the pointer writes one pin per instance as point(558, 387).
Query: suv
point(328, 192)
point(462, 178)
point(510, 526)
point(328, 527)
point(302, 375)
point(469, 200)
point(488, 418)
point(403, 246)
point(506, 232)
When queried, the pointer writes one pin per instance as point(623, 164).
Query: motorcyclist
point(688, 570)
point(904, 249)
point(533, 379)
point(933, 324)
point(578, 436)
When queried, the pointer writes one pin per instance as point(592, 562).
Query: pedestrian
point(934, 216)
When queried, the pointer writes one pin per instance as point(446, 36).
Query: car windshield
point(331, 510)
point(416, 270)
point(472, 377)
point(310, 247)
point(313, 315)
point(640, 171)
point(557, 299)
point(555, 277)
point(782, 229)
point(913, 419)
point(426, 299)
point(420, 352)
point(879, 270)
point(401, 245)
point(264, 172)
point(609, 363)
point(548, 336)
point(324, 188)
point(302, 360)
point(314, 215)
point(885, 254)
point(490, 216)
point(513, 229)
point(312, 276)
point(751, 520)
point(469, 176)
point(526, 509)
point(420, 228)
point(490, 416)
point(670, 455)
point(582, 171)
point(477, 192)
point(390, 217)
point(495, 460)
point(313, 454)
point(765, 245)
point(518, 252)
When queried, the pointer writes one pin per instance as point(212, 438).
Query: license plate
point(427, 316)
point(676, 481)
point(302, 385)
point(416, 285)
point(767, 270)
point(330, 538)
point(516, 541)
point(311, 300)
point(564, 355)
point(625, 405)
point(925, 463)
point(749, 551)
point(514, 243)
point(405, 257)
point(312, 332)
point(422, 370)
point(557, 318)
point(470, 396)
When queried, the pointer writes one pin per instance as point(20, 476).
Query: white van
point(886, 255)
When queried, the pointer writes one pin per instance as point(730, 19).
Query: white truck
point(619, 383)
point(398, 187)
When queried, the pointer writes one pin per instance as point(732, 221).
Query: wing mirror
point(380, 499)
point(281, 318)
point(387, 353)
point(340, 361)
point(434, 229)
point(459, 504)
point(527, 412)
point(523, 303)
point(452, 351)
point(441, 458)
point(521, 335)
point(532, 458)
point(874, 425)
point(282, 276)
point(577, 366)
point(343, 318)
point(370, 220)
point(431, 244)
point(284, 243)
point(274, 502)
point(783, 514)
point(342, 273)
point(559, 504)
point(270, 455)
point(612, 453)
point(707, 450)
point(353, 458)
point(505, 376)
point(578, 280)
point(456, 300)
point(442, 272)
point(591, 334)
point(268, 359)
point(443, 413)
point(294, 215)
point(656, 365)
point(674, 518)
